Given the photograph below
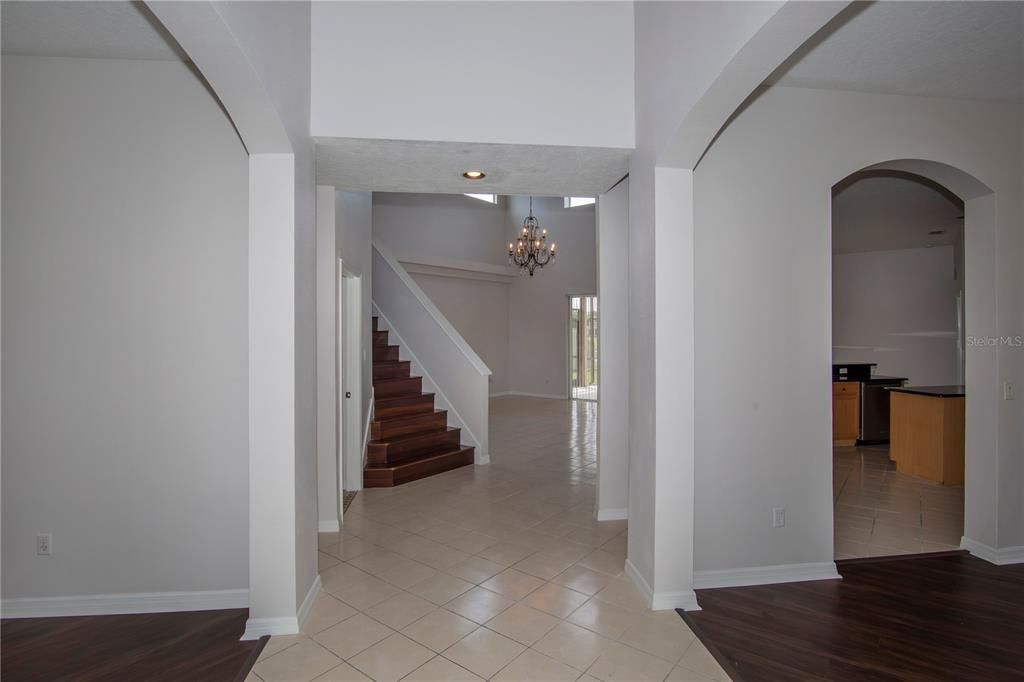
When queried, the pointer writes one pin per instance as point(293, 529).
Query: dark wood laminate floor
point(191, 645)
point(949, 617)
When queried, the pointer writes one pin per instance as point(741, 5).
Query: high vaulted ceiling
point(104, 30)
point(884, 210)
point(943, 49)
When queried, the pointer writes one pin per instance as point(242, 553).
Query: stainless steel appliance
point(874, 408)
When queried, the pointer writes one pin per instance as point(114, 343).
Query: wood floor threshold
point(254, 656)
point(709, 644)
point(900, 557)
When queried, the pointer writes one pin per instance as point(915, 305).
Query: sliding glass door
point(583, 368)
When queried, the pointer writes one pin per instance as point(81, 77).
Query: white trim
point(664, 601)
point(137, 602)
point(1001, 556)
point(259, 627)
point(329, 526)
point(430, 386)
point(350, 379)
point(439, 319)
point(457, 268)
point(307, 604)
point(289, 625)
point(612, 514)
point(548, 396)
point(638, 580)
point(661, 601)
point(366, 430)
point(765, 575)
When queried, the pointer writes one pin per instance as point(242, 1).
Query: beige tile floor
point(494, 572)
point(879, 511)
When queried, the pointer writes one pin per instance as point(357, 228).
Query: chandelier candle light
point(530, 250)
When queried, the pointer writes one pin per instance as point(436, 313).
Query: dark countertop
point(878, 378)
point(934, 391)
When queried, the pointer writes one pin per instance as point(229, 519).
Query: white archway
point(982, 376)
point(204, 34)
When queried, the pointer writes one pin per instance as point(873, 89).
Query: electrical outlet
point(44, 544)
point(1008, 392)
point(778, 517)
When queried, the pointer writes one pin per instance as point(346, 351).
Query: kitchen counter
point(933, 391)
point(882, 379)
point(927, 432)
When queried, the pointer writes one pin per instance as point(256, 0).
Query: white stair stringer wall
point(450, 369)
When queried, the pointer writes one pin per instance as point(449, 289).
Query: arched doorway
point(889, 475)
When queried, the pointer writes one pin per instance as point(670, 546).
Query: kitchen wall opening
point(898, 395)
point(583, 365)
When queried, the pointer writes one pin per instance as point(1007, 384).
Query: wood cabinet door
point(845, 412)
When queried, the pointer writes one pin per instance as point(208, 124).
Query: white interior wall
point(897, 308)
point(539, 305)
point(125, 330)
point(448, 226)
point(680, 49)
point(275, 37)
point(455, 71)
point(479, 311)
point(354, 215)
point(763, 312)
point(327, 344)
point(613, 305)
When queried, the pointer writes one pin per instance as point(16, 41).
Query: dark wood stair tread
point(398, 399)
point(399, 440)
point(410, 438)
point(403, 417)
point(407, 447)
point(388, 476)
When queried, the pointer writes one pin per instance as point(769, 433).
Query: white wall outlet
point(44, 544)
point(778, 517)
point(1008, 392)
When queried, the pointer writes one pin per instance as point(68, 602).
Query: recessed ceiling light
point(474, 175)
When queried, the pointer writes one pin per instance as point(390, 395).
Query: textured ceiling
point(436, 167)
point(885, 210)
point(944, 49)
point(104, 30)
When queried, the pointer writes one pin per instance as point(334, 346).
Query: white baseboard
point(329, 526)
point(111, 604)
point(549, 396)
point(307, 603)
point(287, 625)
point(686, 600)
point(366, 436)
point(612, 514)
point(258, 627)
point(661, 601)
point(1001, 556)
point(765, 575)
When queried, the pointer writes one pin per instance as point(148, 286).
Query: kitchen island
point(926, 426)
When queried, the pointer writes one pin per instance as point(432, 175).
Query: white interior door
point(339, 387)
point(350, 394)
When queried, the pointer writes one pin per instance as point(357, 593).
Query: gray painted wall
point(125, 361)
point(897, 309)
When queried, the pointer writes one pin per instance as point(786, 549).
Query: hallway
point(501, 569)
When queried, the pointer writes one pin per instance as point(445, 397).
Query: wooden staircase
point(410, 439)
